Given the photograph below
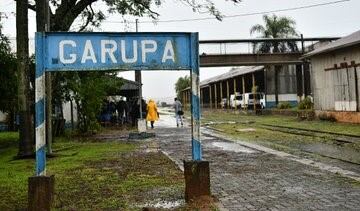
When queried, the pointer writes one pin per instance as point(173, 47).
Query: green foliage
point(275, 27)
point(91, 17)
point(284, 105)
point(306, 104)
point(91, 175)
point(88, 89)
point(181, 84)
point(280, 120)
point(8, 85)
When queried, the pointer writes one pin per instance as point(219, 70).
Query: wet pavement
point(250, 177)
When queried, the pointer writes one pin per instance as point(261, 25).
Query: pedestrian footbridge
point(240, 52)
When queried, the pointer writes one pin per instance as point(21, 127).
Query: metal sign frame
point(185, 52)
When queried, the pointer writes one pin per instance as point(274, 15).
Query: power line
point(237, 15)
point(229, 16)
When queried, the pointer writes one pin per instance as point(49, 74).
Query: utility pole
point(24, 97)
point(302, 69)
point(138, 77)
point(43, 25)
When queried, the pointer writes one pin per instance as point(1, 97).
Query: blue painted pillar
point(40, 131)
point(195, 98)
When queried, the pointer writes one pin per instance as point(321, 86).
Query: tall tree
point(275, 27)
point(181, 84)
point(24, 95)
point(8, 85)
point(64, 13)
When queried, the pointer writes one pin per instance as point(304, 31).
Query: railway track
point(337, 137)
point(336, 146)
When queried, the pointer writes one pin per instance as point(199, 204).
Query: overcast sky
point(338, 19)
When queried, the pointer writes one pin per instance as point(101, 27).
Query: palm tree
point(275, 27)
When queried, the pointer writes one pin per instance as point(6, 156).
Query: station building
point(335, 71)
point(278, 83)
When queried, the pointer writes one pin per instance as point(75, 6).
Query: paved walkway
point(245, 178)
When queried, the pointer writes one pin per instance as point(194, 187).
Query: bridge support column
point(221, 92)
point(243, 85)
point(202, 98)
point(235, 93)
point(303, 81)
point(254, 90)
point(185, 99)
point(215, 96)
point(210, 95)
point(277, 84)
point(227, 94)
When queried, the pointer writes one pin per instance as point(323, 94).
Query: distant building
point(3, 124)
point(283, 85)
point(335, 71)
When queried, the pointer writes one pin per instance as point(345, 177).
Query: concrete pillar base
point(40, 193)
point(197, 179)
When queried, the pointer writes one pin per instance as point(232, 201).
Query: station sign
point(92, 51)
point(117, 51)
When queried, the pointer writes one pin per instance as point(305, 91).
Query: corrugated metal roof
point(129, 85)
point(347, 41)
point(232, 73)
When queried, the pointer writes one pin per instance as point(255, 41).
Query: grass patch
point(288, 121)
point(91, 175)
point(299, 144)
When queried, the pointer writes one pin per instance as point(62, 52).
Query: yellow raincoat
point(152, 114)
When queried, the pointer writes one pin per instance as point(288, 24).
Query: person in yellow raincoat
point(152, 113)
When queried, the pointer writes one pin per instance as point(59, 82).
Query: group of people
point(123, 112)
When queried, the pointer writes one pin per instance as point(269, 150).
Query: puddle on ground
point(164, 204)
point(334, 151)
point(246, 130)
point(232, 147)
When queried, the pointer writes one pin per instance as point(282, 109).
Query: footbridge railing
point(242, 52)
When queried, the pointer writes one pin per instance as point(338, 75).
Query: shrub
point(284, 105)
point(327, 117)
point(306, 104)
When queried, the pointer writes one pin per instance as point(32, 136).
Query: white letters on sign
point(168, 52)
point(146, 50)
point(88, 52)
point(114, 52)
point(110, 51)
point(123, 52)
point(61, 52)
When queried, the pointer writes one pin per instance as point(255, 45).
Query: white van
point(236, 100)
point(259, 100)
point(247, 100)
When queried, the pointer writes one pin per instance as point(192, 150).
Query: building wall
point(2, 117)
point(67, 113)
point(288, 88)
point(287, 85)
point(334, 89)
point(290, 98)
point(3, 125)
point(287, 80)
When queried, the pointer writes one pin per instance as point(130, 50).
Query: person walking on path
point(152, 113)
point(178, 112)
